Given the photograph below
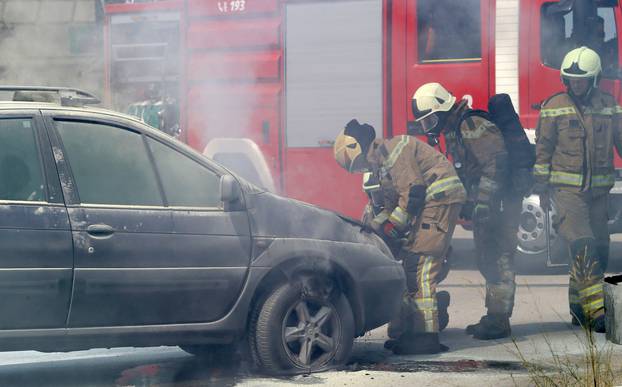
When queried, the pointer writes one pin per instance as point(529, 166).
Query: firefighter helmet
point(351, 146)
point(428, 101)
point(581, 62)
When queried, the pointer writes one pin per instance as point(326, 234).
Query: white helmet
point(581, 62)
point(428, 100)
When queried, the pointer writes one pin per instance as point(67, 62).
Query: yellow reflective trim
point(564, 111)
point(442, 185)
point(608, 111)
point(425, 303)
point(603, 180)
point(382, 217)
point(542, 169)
point(567, 178)
point(595, 305)
point(590, 291)
point(390, 161)
point(399, 217)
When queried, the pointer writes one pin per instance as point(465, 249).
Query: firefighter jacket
point(413, 174)
point(478, 150)
point(574, 143)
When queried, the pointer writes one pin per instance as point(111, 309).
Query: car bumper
point(381, 290)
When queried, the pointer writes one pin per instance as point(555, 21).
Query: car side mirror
point(230, 192)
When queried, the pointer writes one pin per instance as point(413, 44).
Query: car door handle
point(100, 230)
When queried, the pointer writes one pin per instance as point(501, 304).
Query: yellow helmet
point(351, 146)
point(581, 62)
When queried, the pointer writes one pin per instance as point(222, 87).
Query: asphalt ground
point(540, 327)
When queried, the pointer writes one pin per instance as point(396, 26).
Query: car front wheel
point(294, 330)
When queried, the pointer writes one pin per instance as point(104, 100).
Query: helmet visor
point(428, 123)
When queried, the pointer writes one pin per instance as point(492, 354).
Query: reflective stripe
point(542, 169)
point(399, 217)
point(594, 306)
point(442, 185)
point(425, 303)
point(390, 161)
point(564, 111)
point(603, 180)
point(591, 290)
point(608, 111)
point(566, 178)
point(382, 217)
point(428, 315)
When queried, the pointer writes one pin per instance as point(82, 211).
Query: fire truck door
point(333, 74)
point(449, 42)
point(553, 30)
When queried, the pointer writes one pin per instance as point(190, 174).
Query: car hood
point(275, 216)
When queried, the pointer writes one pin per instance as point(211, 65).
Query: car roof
point(22, 105)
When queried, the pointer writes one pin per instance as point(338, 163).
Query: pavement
point(540, 327)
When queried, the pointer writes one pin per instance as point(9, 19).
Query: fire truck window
point(559, 35)
point(449, 31)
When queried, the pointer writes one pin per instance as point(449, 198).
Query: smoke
point(45, 44)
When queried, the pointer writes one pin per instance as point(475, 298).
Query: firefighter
point(478, 150)
point(421, 197)
point(575, 136)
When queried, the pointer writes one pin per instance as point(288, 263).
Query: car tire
point(297, 331)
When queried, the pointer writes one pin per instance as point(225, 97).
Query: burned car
point(115, 234)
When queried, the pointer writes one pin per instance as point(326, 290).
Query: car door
point(216, 243)
point(36, 252)
point(131, 265)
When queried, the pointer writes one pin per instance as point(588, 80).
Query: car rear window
point(21, 178)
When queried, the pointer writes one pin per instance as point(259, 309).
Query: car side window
point(186, 183)
point(21, 177)
point(110, 165)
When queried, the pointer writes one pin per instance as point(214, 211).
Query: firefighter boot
point(418, 344)
point(442, 302)
point(491, 327)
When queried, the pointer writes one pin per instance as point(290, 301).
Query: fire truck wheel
point(296, 331)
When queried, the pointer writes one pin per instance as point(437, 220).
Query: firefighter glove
point(384, 225)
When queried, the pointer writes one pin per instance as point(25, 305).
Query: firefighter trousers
point(495, 245)
point(582, 220)
point(425, 262)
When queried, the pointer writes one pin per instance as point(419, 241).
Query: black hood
point(275, 216)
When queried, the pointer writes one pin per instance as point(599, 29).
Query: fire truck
point(288, 74)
